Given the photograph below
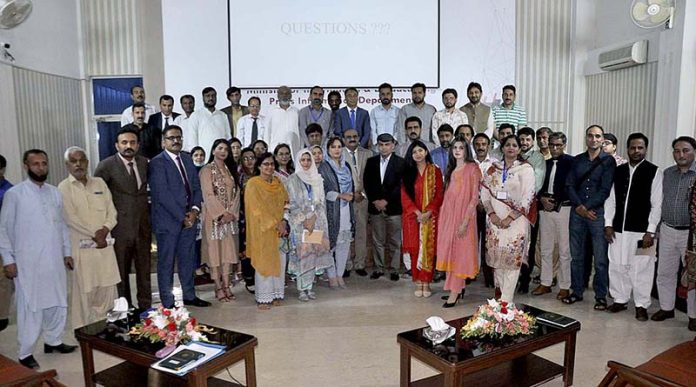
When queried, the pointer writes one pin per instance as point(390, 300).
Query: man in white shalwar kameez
point(631, 215)
point(283, 123)
point(90, 215)
point(35, 249)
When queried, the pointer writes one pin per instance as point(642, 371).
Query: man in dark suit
point(176, 203)
point(126, 175)
point(382, 183)
point(236, 110)
point(353, 117)
point(149, 137)
point(166, 116)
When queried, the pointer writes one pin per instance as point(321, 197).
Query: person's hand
point(461, 230)
point(228, 217)
point(358, 197)
point(426, 216)
point(380, 204)
point(68, 261)
point(609, 234)
point(190, 219)
point(309, 223)
point(10, 270)
point(548, 203)
point(101, 233)
point(648, 239)
point(505, 223)
point(585, 213)
point(280, 228)
point(348, 196)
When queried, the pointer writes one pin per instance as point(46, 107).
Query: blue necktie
point(352, 119)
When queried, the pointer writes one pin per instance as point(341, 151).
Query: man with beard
point(206, 125)
point(508, 112)
point(353, 117)
point(450, 114)
point(150, 137)
point(440, 154)
point(482, 145)
point(235, 111)
point(35, 250)
point(137, 96)
point(283, 123)
point(6, 285)
point(125, 173)
point(90, 215)
point(542, 136)
point(334, 100)
point(631, 215)
point(316, 113)
point(478, 113)
point(357, 156)
point(413, 130)
point(188, 104)
point(383, 117)
point(417, 108)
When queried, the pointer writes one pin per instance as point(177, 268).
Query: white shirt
point(655, 201)
point(127, 115)
point(486, 163)
point(383, 120)
point(455, 118)
point(164, 120)
point(383, 163)
point(204, 127)
point(183, 122)
point(245, 125)
point(283, 128)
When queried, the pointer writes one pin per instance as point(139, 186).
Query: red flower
point(172, 327)
point(503, 310)
point(167, 312)
point(504, 304)
point(193, 321)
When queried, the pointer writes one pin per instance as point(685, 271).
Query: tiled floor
point(348, 337)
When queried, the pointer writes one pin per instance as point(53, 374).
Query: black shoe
point(439, 276)
point(662, 315)
point(523, 289)
point(376, 274)
point(62, 348)
point(361, 272)
point(641, 314)
point(3, 324)
point(452, 305)
point(618, 307)
point(29, 362)
point(197, 302)
point(394, 276)
point(461, 295)
point(346, 274)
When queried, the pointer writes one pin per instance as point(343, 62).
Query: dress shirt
point(283, 128)
point(182, 121)
point(676, 195)
point(244, 126)
point(309, 115)
point(536, 160)
point(204, 127)
point(486, 163)
point(552, 176)
point(440, 156)
point(383, 120)
point(135, 168)
point(425, 113)
point(455, 118)
point(516, 115)
point(655, 201)
point(127, 115)
point(383, 163)
point(594, 190)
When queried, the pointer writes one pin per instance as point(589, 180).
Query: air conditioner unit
point(632, 55)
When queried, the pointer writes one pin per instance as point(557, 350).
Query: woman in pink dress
point(457, 242)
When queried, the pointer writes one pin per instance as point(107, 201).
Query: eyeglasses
point(174, 138)
point(248, 158)
point(255, 106)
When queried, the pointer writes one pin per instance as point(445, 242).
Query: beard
point(35, 177)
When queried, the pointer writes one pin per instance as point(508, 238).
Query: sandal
point(221, 295)
point(571, 299)
point(600, 304)
point(228, 293)
point(263, 306)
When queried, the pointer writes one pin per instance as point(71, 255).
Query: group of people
point(480, 201)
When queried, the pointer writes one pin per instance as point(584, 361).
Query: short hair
point(594, 126)
point(198, 148)
point(71, 149)
point(170, 128)
point(417, 85)
point(189, 96)
point(471, 128)
point(254, 98)
point(136, 86)
point(526, 131)
point(314, 128)
point(385, 85)
point(334, 92)
point(558, 136)
point(125, 130)
point(30, 152)
point(474, 85)
point(544, 129)
point(611, 138)
point(316, 87)
point(166, 97)
point(637, 136)
point(688, 139)
point(510, 87)
point(449, 91)
point(413, 119)
point(350, 89)
point(445, 128)
point(3, 162)
point(207, 90)
point(484, 135)
point(506, 126)
point(232, 89)
point(138, 105)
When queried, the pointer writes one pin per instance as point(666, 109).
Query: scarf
point(311, 177)
point(342, 171)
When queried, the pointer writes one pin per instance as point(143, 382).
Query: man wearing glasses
point(176, 203)
point(252, 126)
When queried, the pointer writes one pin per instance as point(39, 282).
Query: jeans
point(579, 228)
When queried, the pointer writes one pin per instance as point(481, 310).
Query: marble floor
point(348, 337)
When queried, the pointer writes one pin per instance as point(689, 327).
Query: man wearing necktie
point(176, 201)
point(166, 116)
point(554, 218)
point(353, 117)
point(252, 127)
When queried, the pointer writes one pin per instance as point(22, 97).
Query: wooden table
point(135, 370)
point(480, 362)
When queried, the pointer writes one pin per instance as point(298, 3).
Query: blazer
point(362, 124)
point(228, 112)
point(155, 120)
point(563, 166)
point(389, 190)
point(361, 155)
point(132, 207)
point(169, 203)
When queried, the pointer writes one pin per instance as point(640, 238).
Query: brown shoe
point(692, 324)
point(662, 315)
point(541, 289)
point(563, 293)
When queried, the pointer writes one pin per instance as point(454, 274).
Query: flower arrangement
point(497, 320)
point(170, 326)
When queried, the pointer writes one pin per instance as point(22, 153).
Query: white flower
point(493, 303)
point(160, 321)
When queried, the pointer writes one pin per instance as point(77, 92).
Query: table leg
point(87, 363)
point(569, 360)
point(452, 379)
point(405, 379)
point(250, 368)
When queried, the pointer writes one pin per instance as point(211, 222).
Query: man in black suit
point(382, 182)
point(149, 137)
point(126, 175)
point(166, 116)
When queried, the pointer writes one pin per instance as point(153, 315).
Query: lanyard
point(314, 118)
point(505, 172)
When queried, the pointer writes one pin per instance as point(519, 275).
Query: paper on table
point(314, 238)
point(210, 351)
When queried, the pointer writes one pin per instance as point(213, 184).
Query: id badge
point(501, 195)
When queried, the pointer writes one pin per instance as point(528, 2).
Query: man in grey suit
point(126, 175)
point(357, 156)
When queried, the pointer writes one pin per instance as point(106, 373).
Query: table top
point(456, 349)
